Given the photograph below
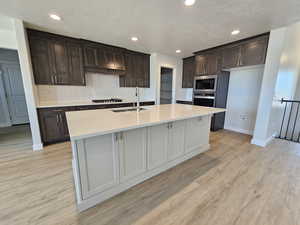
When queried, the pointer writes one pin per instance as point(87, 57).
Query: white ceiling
point(161, 25)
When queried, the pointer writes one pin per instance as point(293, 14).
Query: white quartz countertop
point(90, 123)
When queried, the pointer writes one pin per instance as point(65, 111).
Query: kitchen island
point(114, 150)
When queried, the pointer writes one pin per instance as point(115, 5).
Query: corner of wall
point(28, 82)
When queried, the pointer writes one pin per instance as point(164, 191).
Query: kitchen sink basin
point(127, 110)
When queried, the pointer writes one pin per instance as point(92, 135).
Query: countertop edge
point(87, 104)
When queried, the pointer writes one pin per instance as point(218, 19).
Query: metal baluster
point(283, 120)
point(287, 128)
point(295, 122)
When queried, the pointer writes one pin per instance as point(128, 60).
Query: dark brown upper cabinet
point(231, 56)
point(75, 56)
point(59, 61)
point(246, 52)
point(207, 63)
point(188, 72)
point(40, 57)
point(56, 60)
point(137, 70)
point(254, 52)
point(103, 59)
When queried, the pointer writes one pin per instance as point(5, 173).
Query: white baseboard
point(262, 143)
point(239, 130)
point(37, 147)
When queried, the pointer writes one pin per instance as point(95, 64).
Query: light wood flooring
point(235, 183)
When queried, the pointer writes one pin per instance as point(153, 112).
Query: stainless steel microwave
point(205, 83)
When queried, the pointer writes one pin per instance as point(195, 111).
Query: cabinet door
point(64, 127)
point(213, 63)
point(132, 148)
point(40, 57)
point(254, 51)
point(146, 71)
point(126, 81)
point(77, 76)
point(231, 56)
point(197, 133)
point(60, 63)
point(119, 60)
point(109, 58)
point(201, 62)
point(188, 73)
point(52, 126)
point(176, 139)
point(137, 70)
point(98, 163)
point(90, 56)
point(157, 145)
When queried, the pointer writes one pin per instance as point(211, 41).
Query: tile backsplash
point(97, 86)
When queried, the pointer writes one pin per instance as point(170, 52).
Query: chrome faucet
point(137, 95)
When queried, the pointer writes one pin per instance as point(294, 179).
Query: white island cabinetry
point(112, 160)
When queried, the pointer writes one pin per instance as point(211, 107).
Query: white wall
point(7, 33)
point(28, 82)
point(276, 44)
point(287, 85)
point(242, 100)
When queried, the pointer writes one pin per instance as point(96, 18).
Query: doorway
point(14, 120)
point(166, 85)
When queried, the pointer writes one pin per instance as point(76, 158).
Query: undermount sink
point(127, 110)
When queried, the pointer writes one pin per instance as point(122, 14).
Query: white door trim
point(4, 103)
point(173, 83)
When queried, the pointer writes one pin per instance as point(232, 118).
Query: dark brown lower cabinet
point(53, 125)
point(53, 122)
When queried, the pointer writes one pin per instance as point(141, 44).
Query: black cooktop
point(107, 100)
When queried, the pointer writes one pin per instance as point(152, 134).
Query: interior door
point(4, 111)
point(15, 93)
point(166, 80)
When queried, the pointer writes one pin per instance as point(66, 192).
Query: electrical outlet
point(243, 117)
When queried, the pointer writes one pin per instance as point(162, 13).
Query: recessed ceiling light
point(178, 51)
point(54, 17)
point(235, 32)
point(134, 39)
point(189, 2)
